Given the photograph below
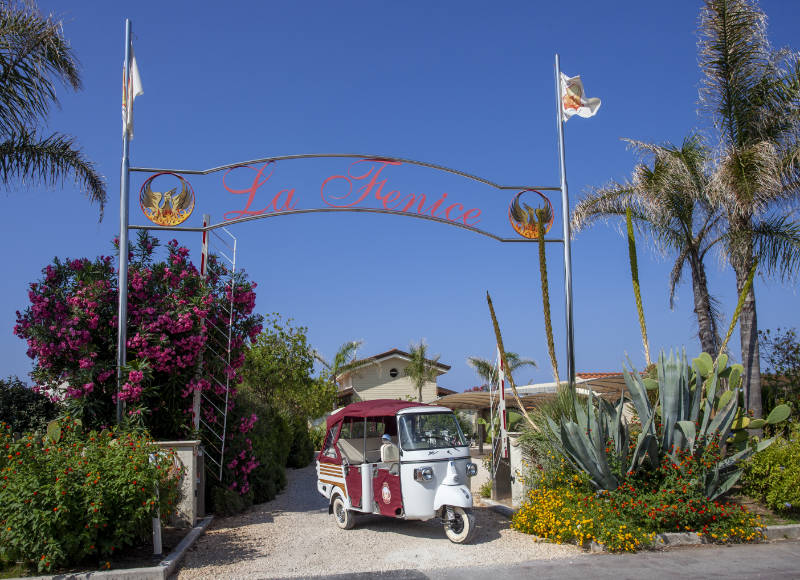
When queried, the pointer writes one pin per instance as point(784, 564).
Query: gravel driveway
point(293, 535)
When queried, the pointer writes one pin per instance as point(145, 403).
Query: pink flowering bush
point(71, 331)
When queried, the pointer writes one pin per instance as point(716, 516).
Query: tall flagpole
point(125, 182)
point(566, 234)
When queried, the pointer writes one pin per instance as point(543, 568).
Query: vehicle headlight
point(423, 474)
point(472, 469)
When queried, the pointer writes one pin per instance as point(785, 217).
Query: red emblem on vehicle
point(386, 493)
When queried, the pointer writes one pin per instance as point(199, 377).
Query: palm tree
point(752, 94)
point(668, 200)
point(487, 370)
point(34, 56)
point(421, 369)
point(343, 357)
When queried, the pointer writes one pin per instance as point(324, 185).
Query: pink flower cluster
point(71, 330)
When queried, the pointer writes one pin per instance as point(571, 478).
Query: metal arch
point(343, 209)
point(346, 156)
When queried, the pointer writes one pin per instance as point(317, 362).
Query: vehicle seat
point(351, 452)
point(390, 456)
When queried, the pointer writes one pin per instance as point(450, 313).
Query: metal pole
point(566, 235)
point(125, 181)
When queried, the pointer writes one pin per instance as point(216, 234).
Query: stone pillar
point(517, 470)
point(187, 510)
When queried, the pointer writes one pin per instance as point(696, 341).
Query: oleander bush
point(74, 496)
point(773, 476)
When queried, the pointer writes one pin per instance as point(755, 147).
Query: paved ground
point(294, 537)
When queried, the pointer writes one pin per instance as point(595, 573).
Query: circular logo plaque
point(167, 207)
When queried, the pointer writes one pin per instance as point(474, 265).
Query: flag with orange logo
point(573, 99)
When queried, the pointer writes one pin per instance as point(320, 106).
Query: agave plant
point(693, 410)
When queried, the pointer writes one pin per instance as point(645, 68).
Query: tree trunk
point(706, 327)
point(748, 332)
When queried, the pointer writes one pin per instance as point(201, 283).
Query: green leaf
point(54, 431)
point(724, 399)
point(757, 423)
point(735, 376)
point(739, 437)
point(689, 432)
point(722, 362)
point(703, 364)
point(650, 384)
point(779, 414)
point(741, 422)
point(726, 484)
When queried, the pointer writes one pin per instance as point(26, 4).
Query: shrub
point(486, 489)
point(23, 408)
point(255, 460)
point(73, 496)
point(71, 331)
point(773, 476)
point(317, 435)
point(302, 449)
point(566, 508)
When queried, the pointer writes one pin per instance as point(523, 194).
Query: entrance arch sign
point(359, 184)
point(257, 189)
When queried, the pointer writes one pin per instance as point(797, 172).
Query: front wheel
point(343, 516)
point(459, 525)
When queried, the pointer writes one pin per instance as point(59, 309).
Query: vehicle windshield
point(429, 431)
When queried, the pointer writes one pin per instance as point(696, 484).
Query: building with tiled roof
point(383, 376)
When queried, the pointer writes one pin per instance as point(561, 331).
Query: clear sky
point(465, 84)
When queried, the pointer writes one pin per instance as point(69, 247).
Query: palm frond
point(33, 54)
point(676, 273)
point(776, 240)
point(733, 53)
point(612, 199)
point(748, 179)
point(346, 353)
point(23, 156)
point(485, 369)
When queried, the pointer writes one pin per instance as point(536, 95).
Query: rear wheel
point(459, 525)
point(343, 516)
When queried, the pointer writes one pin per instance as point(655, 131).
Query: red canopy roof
point(376, 408)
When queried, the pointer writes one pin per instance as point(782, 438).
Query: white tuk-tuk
point(420, 472)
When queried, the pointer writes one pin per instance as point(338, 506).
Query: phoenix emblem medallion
point(167, 208)
point(525, 219)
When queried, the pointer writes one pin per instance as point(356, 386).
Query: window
point(393, 373)
point(430, 431)
point(327, 446)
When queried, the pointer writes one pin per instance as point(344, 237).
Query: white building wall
point(374, 381)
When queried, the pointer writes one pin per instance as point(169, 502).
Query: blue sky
point(468, 85)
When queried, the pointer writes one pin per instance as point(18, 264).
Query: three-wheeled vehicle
point(419, 472)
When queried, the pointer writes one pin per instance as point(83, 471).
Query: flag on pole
point(573, 99)
point(131, 88)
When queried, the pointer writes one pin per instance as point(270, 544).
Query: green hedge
point(773, 475)
point(76, 496)
point(277, 443)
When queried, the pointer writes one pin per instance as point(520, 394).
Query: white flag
point(573, 99)
point(131, 88)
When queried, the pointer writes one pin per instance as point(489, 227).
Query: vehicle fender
point(336, 491)
point(455, 495)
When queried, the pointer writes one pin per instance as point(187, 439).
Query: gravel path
point(293, 535)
